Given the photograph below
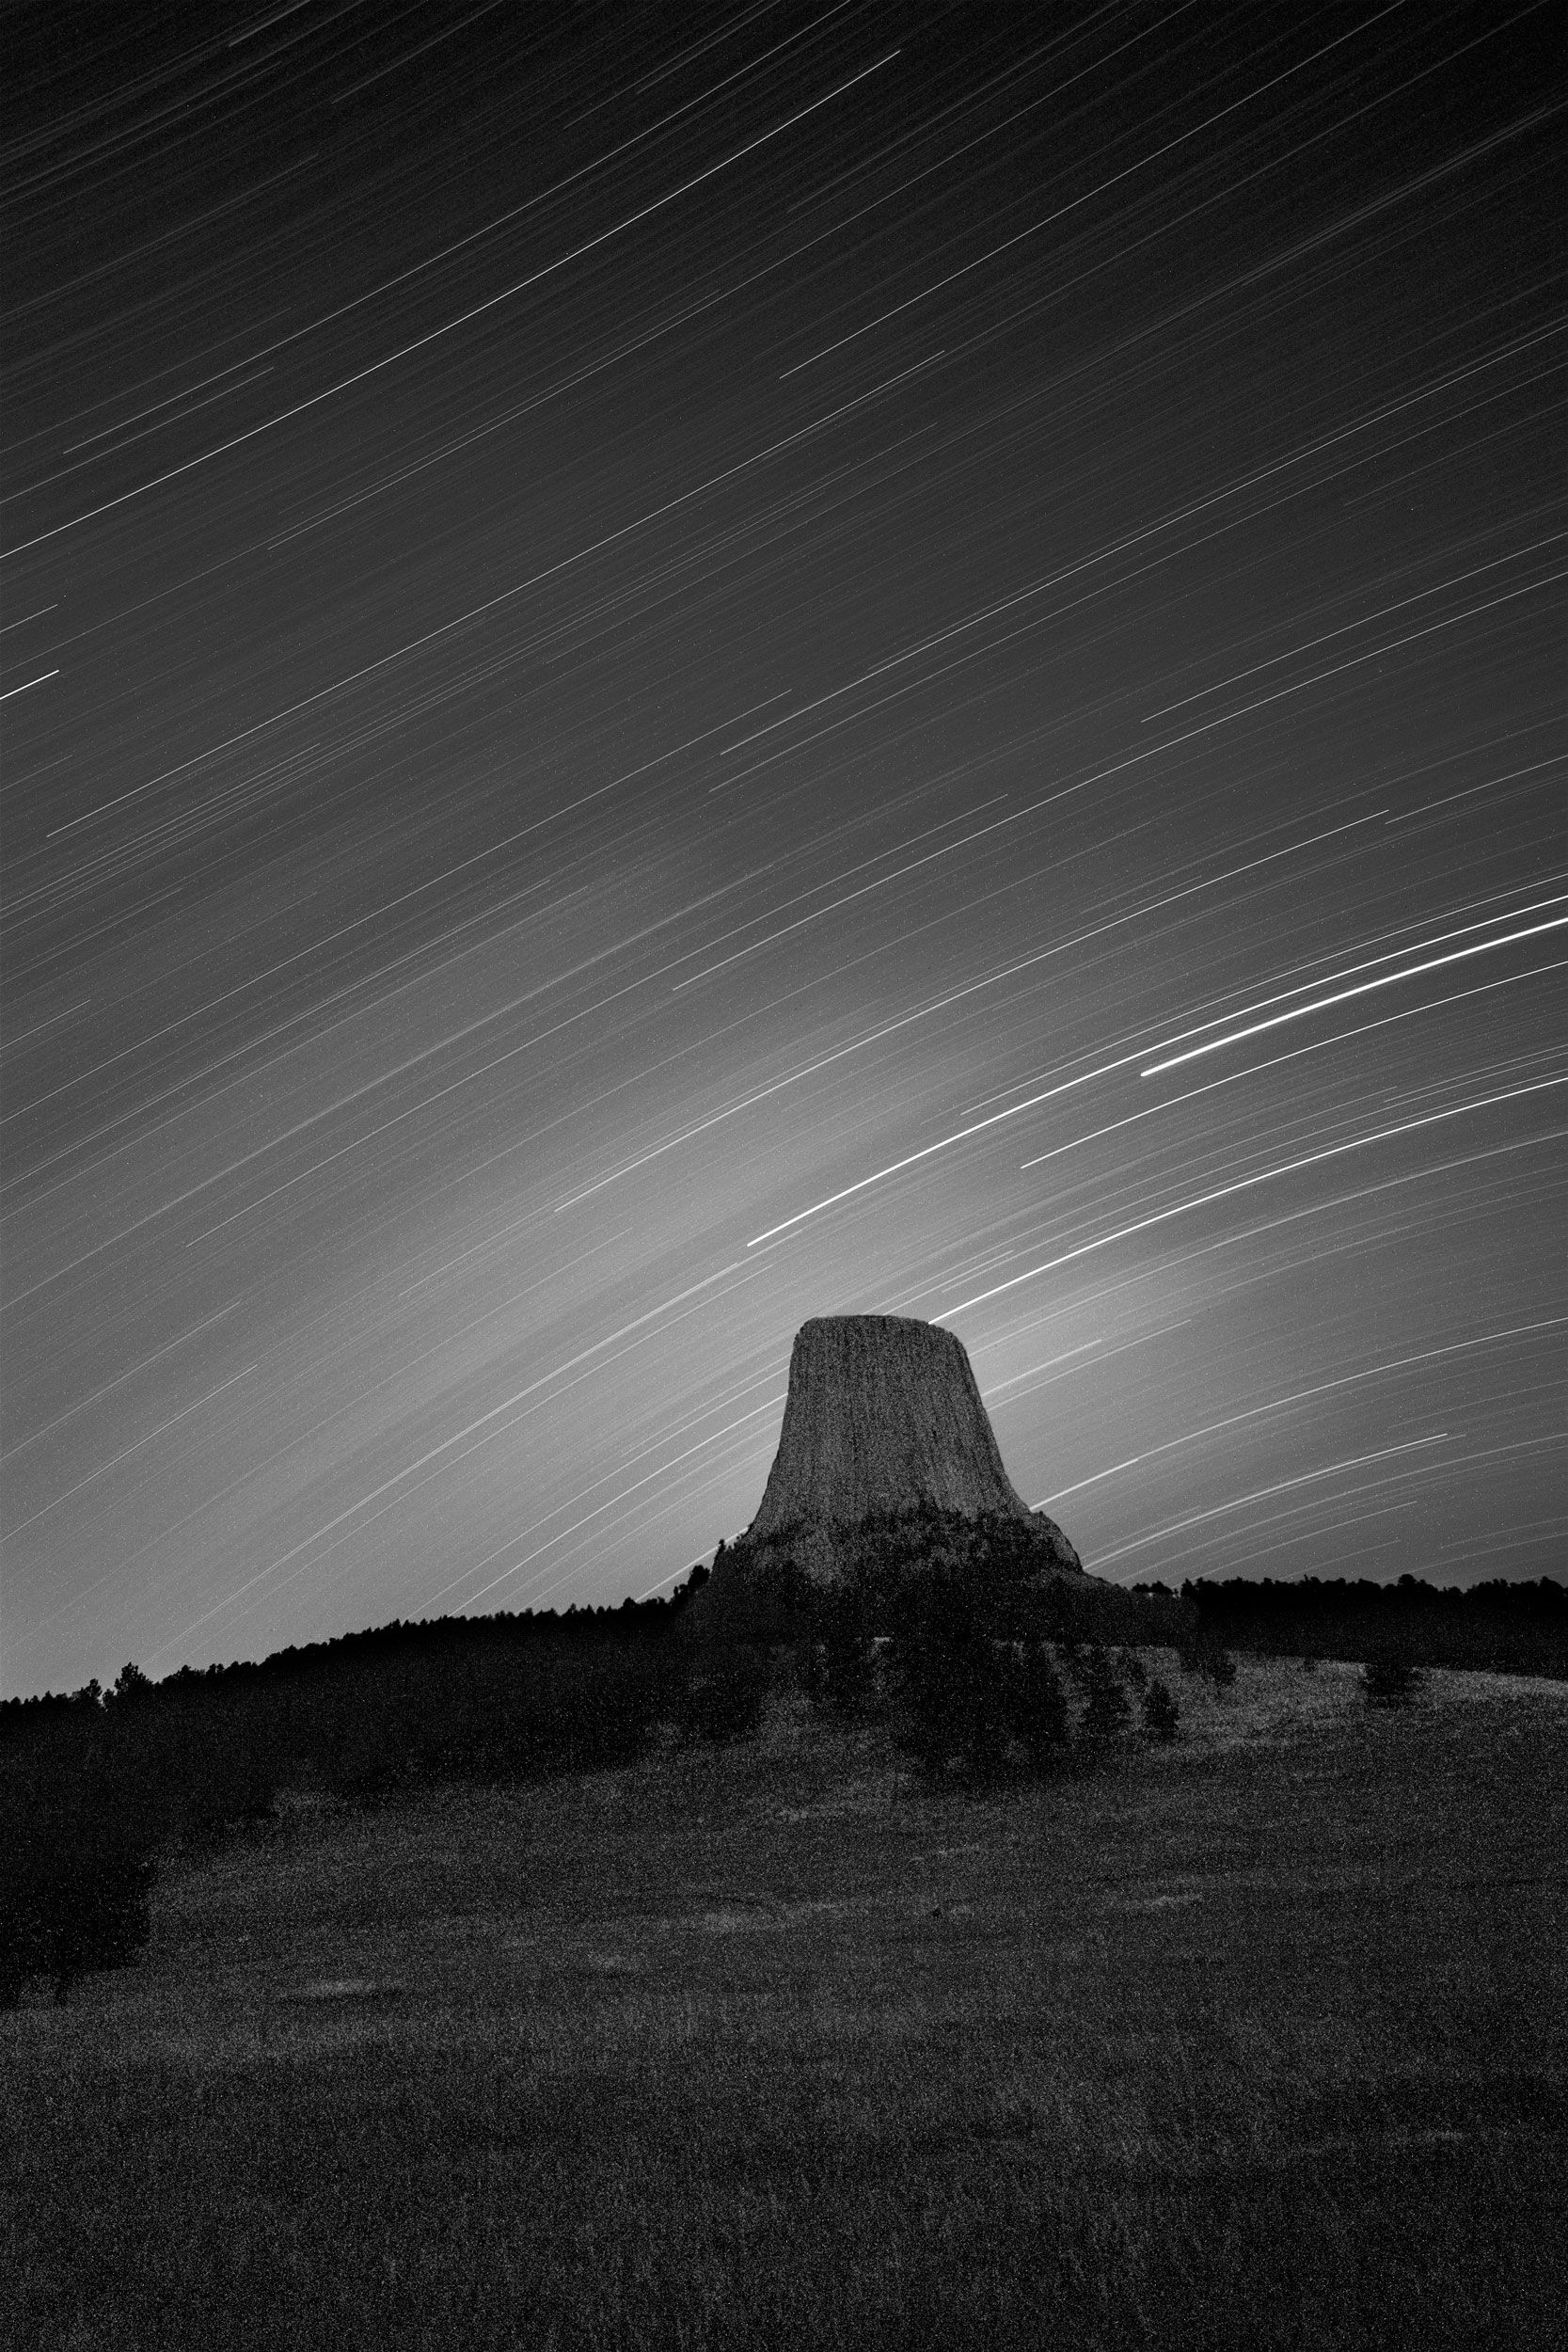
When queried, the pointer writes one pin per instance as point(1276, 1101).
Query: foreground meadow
point(1261, 2039)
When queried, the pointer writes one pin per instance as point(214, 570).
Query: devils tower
point(883, 1416)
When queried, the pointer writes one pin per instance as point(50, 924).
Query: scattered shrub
point(844, 1678)
point(1106, 1711)
point(1391, 1680)
point(622, 1696)
point(1209, 1660)
point(727, 1695)
point(76, 1896)
point(1160, 1712)
point(1043, 1723)
point(951, 1680)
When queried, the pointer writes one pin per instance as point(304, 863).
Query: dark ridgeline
point(96, 1786)
point(1497, 1627)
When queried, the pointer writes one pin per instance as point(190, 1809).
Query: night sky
point(669, 670)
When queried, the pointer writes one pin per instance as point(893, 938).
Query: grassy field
point(1259, 2040)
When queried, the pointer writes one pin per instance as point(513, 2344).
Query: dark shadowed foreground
point(1259, 2038)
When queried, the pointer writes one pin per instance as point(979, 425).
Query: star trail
point(664, 672)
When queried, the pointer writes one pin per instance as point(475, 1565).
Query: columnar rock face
point(883, 1416)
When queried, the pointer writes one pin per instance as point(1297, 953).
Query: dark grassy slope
point(1260, 2040)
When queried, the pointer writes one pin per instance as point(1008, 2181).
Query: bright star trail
point(662, 672)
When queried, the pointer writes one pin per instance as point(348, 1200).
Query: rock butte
point(883, 1415)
